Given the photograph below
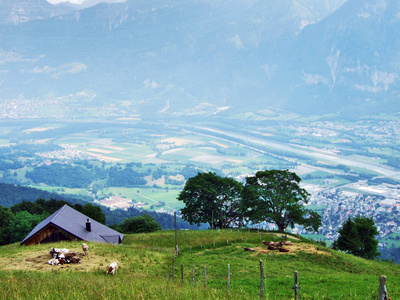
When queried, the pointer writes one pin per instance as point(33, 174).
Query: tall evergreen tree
point(357, 237)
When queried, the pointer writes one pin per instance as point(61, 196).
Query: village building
point(68, 224)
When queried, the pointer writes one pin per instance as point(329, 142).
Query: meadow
point(145, 271)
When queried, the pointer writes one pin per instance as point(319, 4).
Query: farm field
point(167, 155)
point(145, 272)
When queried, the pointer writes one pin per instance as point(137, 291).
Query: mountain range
point(201, 57)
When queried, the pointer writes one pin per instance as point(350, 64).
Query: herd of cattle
point(274, 246)
point(64, 256)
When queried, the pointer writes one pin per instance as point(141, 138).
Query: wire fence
point(383, 292)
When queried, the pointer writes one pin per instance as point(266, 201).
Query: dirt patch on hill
point(38, 261)
point(293, 249)
point(292, 237)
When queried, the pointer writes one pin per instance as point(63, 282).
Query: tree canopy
point(139, 224)
point(357, 237)
point(5, 218)
point(94, 212)
point(275, 196)
point(21, 224)
point(211, 199)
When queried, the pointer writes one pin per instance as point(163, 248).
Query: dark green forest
point(22, 208)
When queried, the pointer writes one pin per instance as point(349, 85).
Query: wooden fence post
point(261, 280)
point(229, 278)
point(176, 234)
point(205, 276)
point(383, 294)
point(182, 271)
point(193, 275)
point(296, 285)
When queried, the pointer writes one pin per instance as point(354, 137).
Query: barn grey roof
point(74, 223)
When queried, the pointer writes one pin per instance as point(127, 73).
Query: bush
point(140, 224)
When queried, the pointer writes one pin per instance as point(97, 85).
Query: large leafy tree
point(211, 199)
point(357, 237)
point(275, 196)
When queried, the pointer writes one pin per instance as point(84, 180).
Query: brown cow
point(75, 260)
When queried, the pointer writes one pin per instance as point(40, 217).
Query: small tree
point(139, 224)
point(211, 199)
point(357, 237)
point(275, 196)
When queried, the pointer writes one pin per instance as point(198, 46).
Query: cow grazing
point(85, 249)
point(112, 269)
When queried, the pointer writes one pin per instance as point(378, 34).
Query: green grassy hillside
point(145, 269)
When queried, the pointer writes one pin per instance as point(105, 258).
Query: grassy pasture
point(148, 195)
point(145, 269)
point(391, 239)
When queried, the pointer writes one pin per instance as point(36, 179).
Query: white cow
point(112, 269)
point(55, 252)
point(53, 262)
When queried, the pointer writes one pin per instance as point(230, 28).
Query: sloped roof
point(74, 223)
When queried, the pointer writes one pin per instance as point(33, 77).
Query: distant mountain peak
point(173, 57)
point(21, 11)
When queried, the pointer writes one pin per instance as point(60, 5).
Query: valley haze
point(169, 88)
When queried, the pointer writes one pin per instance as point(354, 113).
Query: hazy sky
point(59, 1)
point(80, 1)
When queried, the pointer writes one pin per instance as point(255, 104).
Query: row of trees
point(272, 196)
point(18, 220)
